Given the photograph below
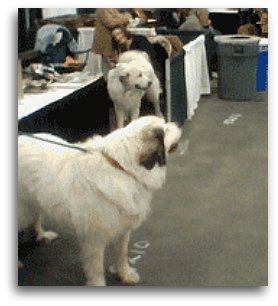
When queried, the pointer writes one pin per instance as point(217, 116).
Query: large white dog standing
point(127, 83)
point(103, 187)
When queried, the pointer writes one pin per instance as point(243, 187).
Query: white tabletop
point(33, 102)
point(223, 10)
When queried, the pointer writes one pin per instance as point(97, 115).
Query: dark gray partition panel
point(176, 89)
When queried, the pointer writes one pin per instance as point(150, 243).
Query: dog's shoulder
point(93, 143)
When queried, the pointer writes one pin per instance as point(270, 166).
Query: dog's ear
point(122, 72)
point(153, 149)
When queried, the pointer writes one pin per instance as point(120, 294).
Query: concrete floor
point(209, 224)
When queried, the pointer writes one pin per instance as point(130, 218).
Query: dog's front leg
point(120, 117)
point(93, 262)
point(126, 273)
point(136, 112)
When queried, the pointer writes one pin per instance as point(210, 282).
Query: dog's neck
point(115, 164)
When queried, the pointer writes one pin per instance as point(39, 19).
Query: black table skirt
point(75, 117)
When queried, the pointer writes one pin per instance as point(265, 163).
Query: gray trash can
point(237, 61)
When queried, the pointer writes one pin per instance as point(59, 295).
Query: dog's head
point(153, 148)
point(142, 148)
point(133, 76)
point(153, 140)
point(158, 140)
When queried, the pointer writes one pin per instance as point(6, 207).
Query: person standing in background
point(106, 20)
point(123, 41)
point(191, 22)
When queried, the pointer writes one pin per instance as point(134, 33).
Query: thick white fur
point(83, 189)
point(131, 79)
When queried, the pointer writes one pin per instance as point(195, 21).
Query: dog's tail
point(172, 136)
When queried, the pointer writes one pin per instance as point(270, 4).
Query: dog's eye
point(140, 74)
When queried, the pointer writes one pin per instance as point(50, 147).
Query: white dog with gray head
point(127, 83)
point(103, 187)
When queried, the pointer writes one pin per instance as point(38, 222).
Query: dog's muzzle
point(142, 87)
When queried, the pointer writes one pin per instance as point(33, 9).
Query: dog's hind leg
point(126, 273)
point(42, 235)
point(153, 95)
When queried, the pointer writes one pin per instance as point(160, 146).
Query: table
point(187, 79)
point(196, 73)
point(143, 31)
point(33, 102)
point(72, 114)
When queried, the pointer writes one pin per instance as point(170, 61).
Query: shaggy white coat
point(127, 83)
point(102, 201)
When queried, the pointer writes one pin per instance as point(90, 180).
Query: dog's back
point(43, 168)
point(58, 179)
point(133, 55)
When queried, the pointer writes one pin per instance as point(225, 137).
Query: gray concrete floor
point(209, 224)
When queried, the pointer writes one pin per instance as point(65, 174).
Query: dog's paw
point(47, 237)
point(130, 277)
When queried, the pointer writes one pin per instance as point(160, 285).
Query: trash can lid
point(237, 39)
point(263, 42)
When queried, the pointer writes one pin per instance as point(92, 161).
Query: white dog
point(102, 187)
point(127, 83)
